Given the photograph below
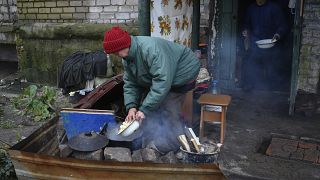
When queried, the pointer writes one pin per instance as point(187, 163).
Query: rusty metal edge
point(96, 94)
point(112, 165)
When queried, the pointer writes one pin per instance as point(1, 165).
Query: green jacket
point(155, 64)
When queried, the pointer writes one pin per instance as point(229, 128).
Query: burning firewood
point(184, 142)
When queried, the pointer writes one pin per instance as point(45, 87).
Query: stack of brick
point(294, 150)
point(78, 11)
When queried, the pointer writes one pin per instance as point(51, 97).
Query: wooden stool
point(216, 113)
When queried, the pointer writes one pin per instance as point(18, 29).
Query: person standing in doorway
point(162, 70)
point(263, 20)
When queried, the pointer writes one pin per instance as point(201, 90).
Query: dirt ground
point(251, 120)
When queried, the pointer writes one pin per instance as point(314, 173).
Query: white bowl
point(131, 128)
point(265, 43)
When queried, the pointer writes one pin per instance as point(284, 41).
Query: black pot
point(191, 157)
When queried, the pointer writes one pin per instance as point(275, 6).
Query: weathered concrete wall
point(43, 47)
point(309, 69)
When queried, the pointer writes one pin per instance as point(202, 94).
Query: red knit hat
point(115, 40)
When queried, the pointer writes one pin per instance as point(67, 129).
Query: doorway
point(280, 70)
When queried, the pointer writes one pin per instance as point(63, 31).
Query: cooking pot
point(133, 141)
point(88, 141)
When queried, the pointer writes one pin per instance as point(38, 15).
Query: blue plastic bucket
point(76, 121)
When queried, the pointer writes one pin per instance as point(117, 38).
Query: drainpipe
point(195, 25)
point(144, 17)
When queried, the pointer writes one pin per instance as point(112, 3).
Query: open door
point(296, 53)
point(227, 61)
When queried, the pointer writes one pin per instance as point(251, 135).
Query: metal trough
point(36, 157)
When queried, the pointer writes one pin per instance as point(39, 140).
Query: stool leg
point(223, 119)
point(201, 122)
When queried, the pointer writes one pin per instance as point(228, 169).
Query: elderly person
point(263, 20)
point(157, 75)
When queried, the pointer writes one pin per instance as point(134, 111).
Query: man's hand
point(131, 115)
point(276, 37)
point(140, 116)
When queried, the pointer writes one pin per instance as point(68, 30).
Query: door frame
point(296, 53)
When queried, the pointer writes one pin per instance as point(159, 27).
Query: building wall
point(80, 11)
point(309, 68)
point(50, 30)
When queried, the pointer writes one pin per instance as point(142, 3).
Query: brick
point(122, 16)
point(118, 2)
point(283, 147)
point(297, 155)
point(134, 15)
point(95, 155)
point(38, 4)
point(89, 3)
point(305, 145)
point(3, 9)
point(69, 9)
point(269, 150)
point(110, 9)
point(66, 16)
point(19, 5)
point(114, 21)
point(42, 16)
point(103, 2)
point(95, 9)
point(62, 3)
point(13, 9)
point(311, 155)
point(56, 10)
point(79, 15)
point(24, 10)
point(118, 154)
point(31, 16)
point(21, 16)
point(44, 10)
point(92, 15)
point(106, 15)
point(28, 4)
point(82, 9)
point(131, 2)
point(75, 3)
point(53, 16)
point(136, 9)
point(50, 4)
point(125, 8)
point(136, 156)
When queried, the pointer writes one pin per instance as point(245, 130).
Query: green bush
point(36, 103)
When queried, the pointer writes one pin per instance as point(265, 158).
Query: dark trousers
point(262, 67)
point(164, 125)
